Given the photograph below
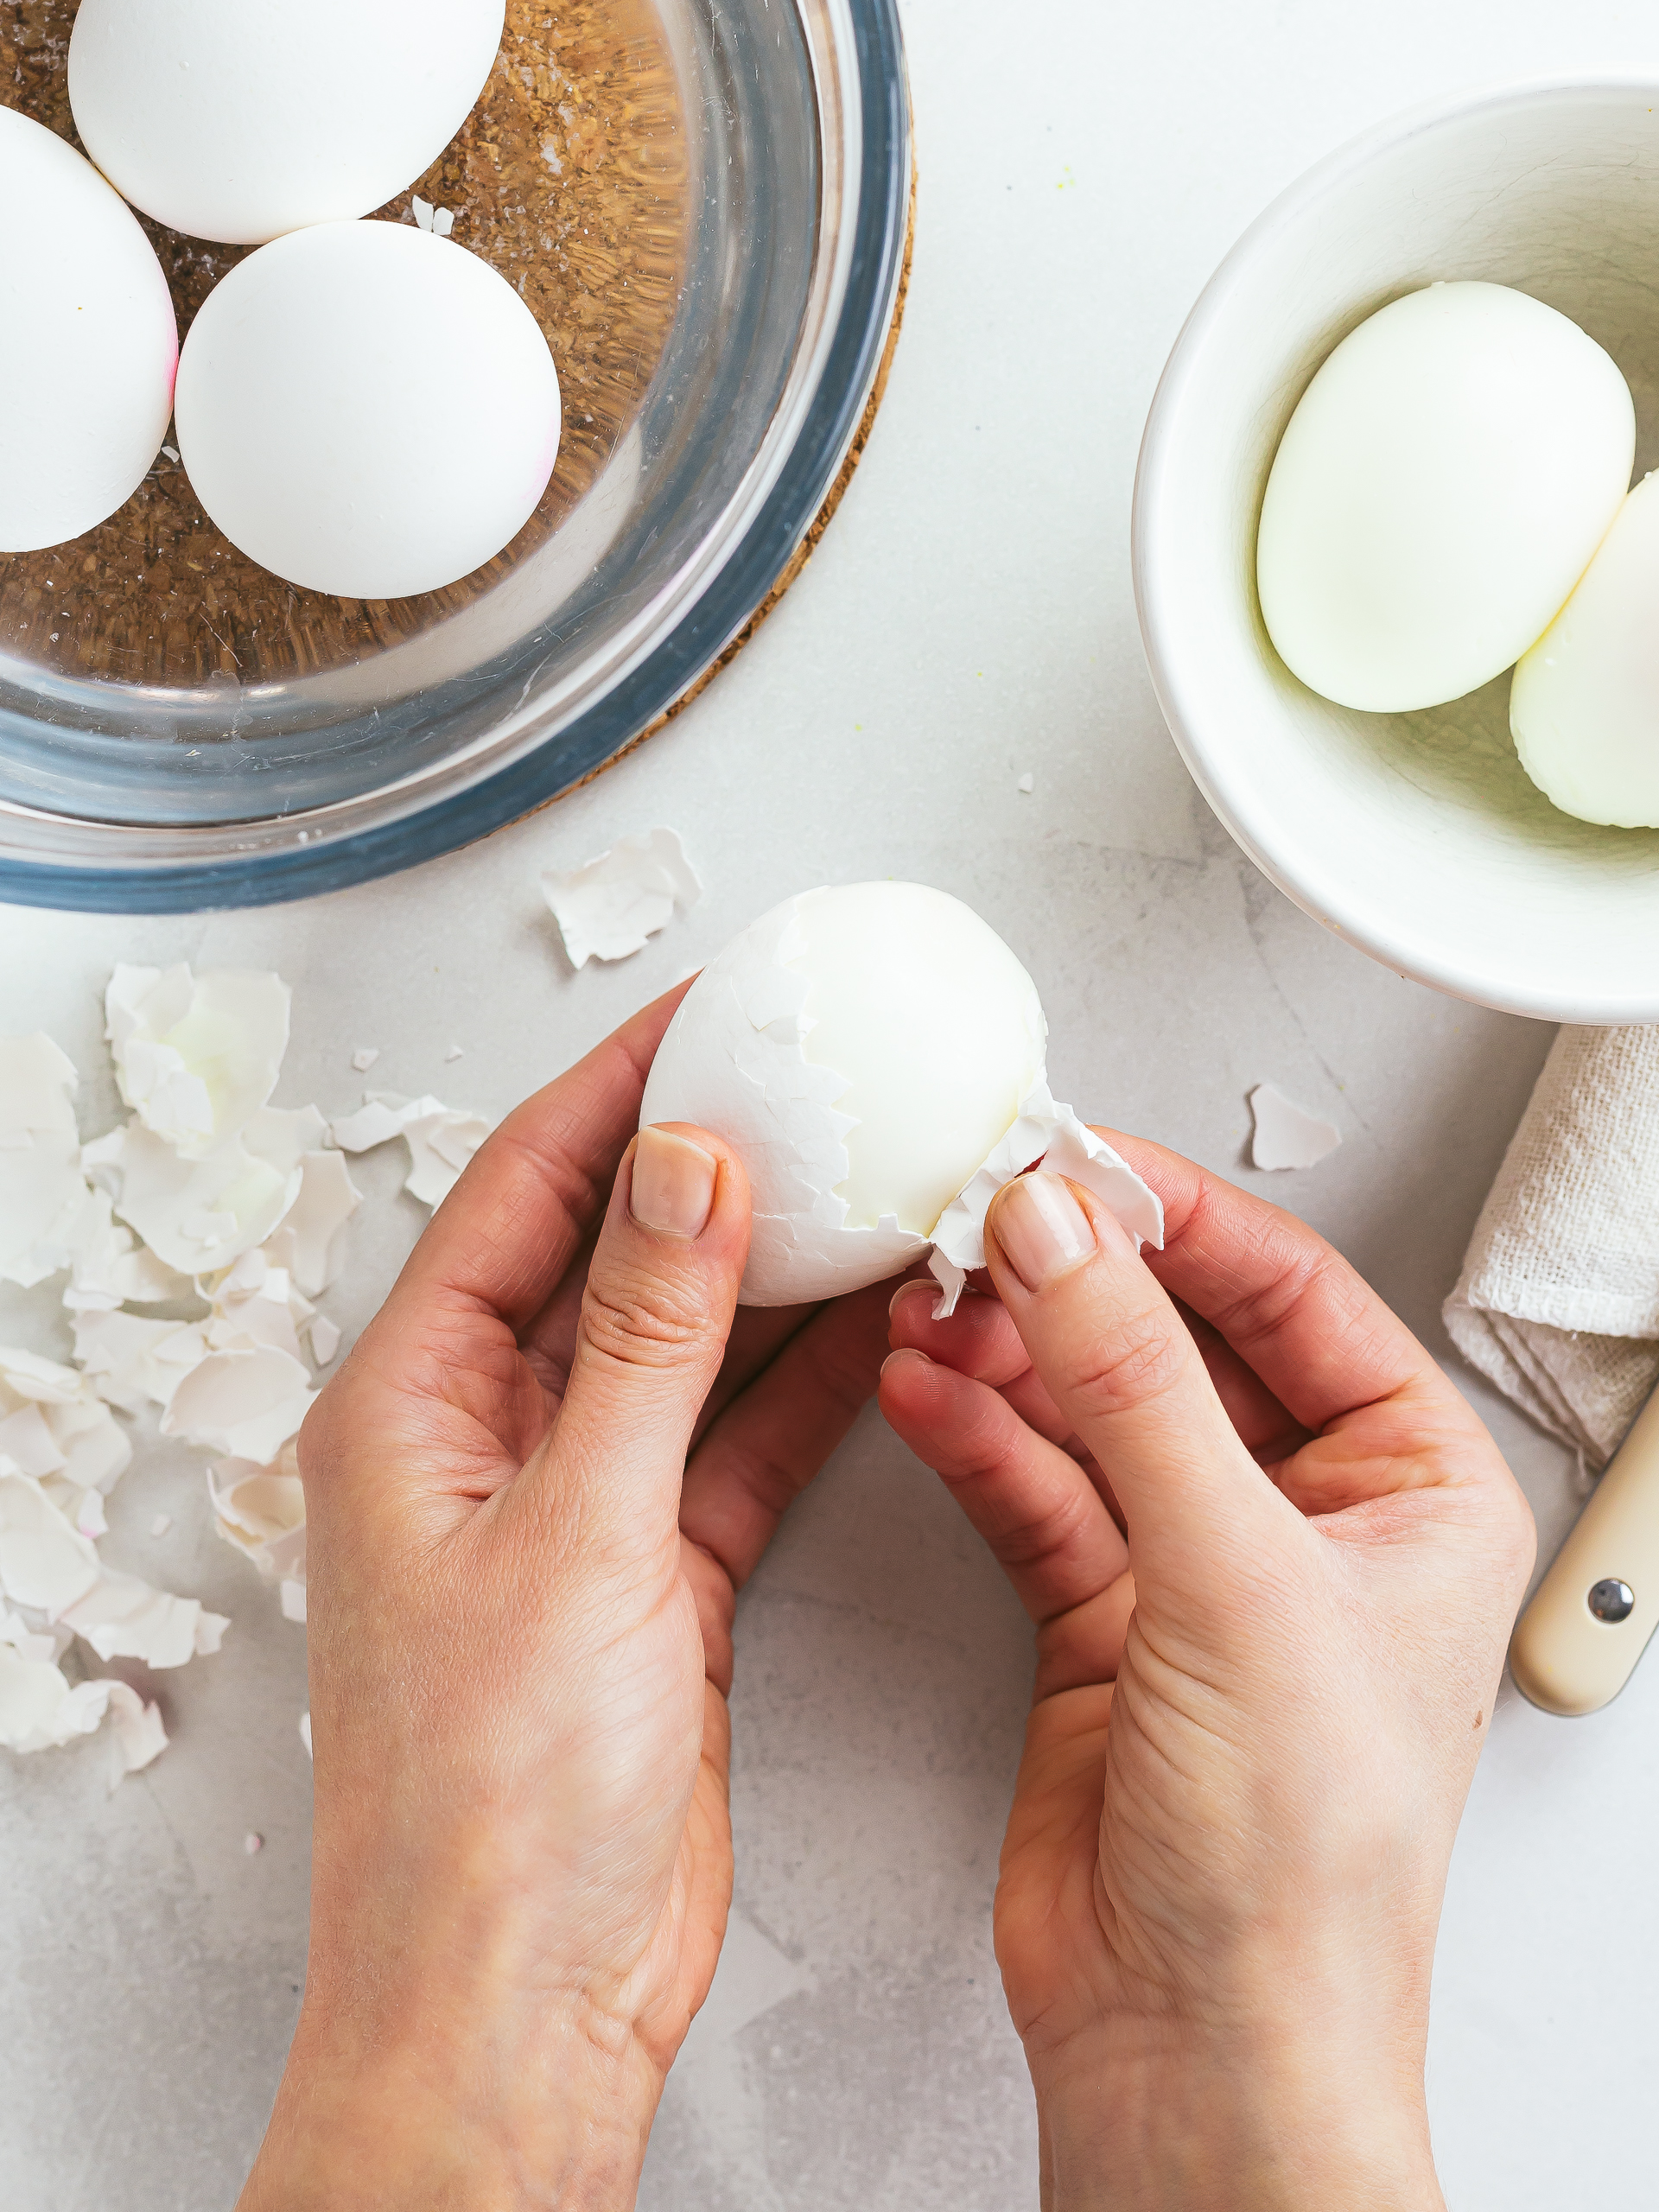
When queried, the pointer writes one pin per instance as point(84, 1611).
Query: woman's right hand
point(1256, 1712)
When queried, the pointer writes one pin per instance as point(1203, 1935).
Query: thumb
point(655, 1313)
point(1123, 1369)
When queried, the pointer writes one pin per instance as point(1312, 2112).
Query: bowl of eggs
point(1395, 584)
point(397, 425)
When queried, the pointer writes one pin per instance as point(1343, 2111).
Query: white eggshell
point(863, 1049)
point(88, 343)
point(243, 119)
point(1584, 707)
point(368, 409)
point(1438, 492)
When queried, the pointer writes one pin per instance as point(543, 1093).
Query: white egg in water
point(88, 343)
point(242, 120)
point(863, 1049)
point(1439, 490)
point(368, 410)
point(1584, 707)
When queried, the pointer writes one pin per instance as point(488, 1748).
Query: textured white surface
point(967, 620)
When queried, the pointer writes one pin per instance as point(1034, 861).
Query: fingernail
point(673, 1185)
point(1042, 1230)
point(904, 1352)
point(930, 1288)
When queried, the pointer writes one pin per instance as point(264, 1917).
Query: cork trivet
point(820, 523)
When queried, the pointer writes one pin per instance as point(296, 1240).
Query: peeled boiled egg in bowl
point(705, 212)
point(1418, 836)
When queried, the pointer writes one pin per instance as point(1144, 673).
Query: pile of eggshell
point(363, 408)
point(1451, 498)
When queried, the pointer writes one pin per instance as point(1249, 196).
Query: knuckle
point(983, 1447)
point(1026, 1539)
point(641, 1322)
point(1129, 1365)
point(1293, 1274)
point(767, 1481)
point(849, 1378)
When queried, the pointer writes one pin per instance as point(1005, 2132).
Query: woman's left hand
point(533, 1493)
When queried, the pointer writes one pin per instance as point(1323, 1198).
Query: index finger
point(1309, 1324)
point(508, 1230)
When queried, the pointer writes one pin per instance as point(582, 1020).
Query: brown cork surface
point(569, 178)
point(820, 523)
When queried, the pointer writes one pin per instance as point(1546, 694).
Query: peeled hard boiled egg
point(937, 1029)
point(88, 343)
point(870, 1051)
point(242, 120)
point(1440, 488)
point(1584, 707)
point(368, 409)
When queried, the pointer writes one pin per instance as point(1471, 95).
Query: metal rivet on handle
point(1612, 1601)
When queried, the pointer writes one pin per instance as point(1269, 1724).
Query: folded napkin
point(1558, 1298)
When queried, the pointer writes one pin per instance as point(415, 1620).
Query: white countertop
point(967, 619)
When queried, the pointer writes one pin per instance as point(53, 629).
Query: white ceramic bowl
point(1418, 837)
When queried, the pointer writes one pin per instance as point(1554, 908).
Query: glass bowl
point(705, 202)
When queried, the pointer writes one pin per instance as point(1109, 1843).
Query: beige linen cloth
point(1558, 1298)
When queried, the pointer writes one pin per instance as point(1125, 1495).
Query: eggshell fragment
point(124, 1617)
point(200, 1216)
point(368, 410)
point(195, 1056)
point(48, 1216)
point(442, 1139)
point(242, 122)
point(206, 1165)
point(88, 343)
point(307, 1241)
point(607, 909)
point(39, 1708)
point(1439, 490)
point(1584, 707)
point(246, 1404)
point(132, 1362)
point(1285, 1134)
point(54, 1425)
point(260, 1510)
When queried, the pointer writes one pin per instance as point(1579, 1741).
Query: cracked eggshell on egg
point(368, 410)
point(863, 1050)
point(242, 122)
point(1439, 490)
point(88, 343)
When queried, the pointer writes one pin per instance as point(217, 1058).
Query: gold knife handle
point(1577, 1643)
